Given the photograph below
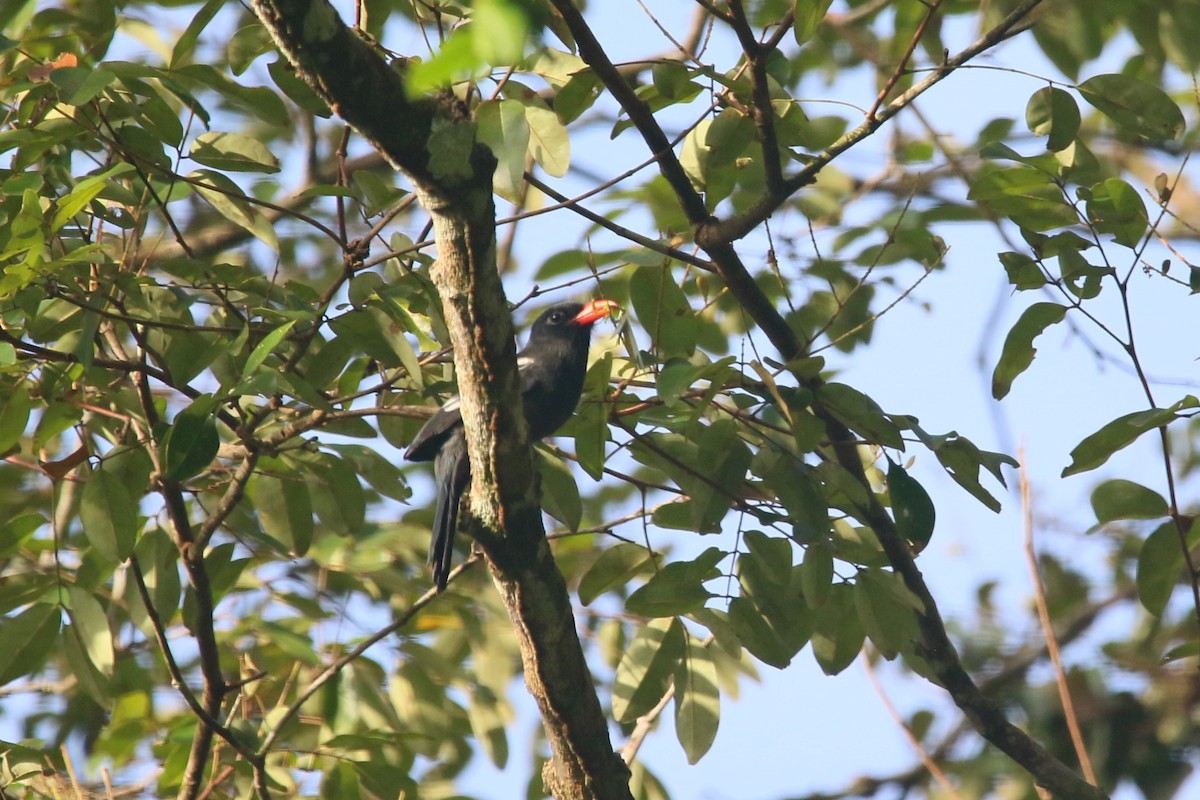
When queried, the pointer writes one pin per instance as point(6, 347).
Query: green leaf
point(227, 198)
point(488, 715)
point(697, 701)
point(1159, 568)
point(775, 588)
point(548, 141)
point(591, 422)
point(283, 72)
point(257, 101)
point(376, 470)
point(757, 635)
point(294, 644)
point(15, 534)
point(911, 506)
point(647, 668)
point(839, 634)
point(576, 96)
point(84, 192)
point(1113, 206)
point(1028, 196)
point(1079, 276)
point(91, 625)
point(963, 460)
point(109, 516)
point(708, 466)
point(78, 86)
point(28, 638)
point(808, 16)
point(886, 610)
point(1121, 499)
point(186, 44)
point(502, 126)
point(337, 496)
point(96, 685)
point(616, 566)
point(860, 414)
point(1179, 652)
point(233, 152)
point(264, 348)
point(816, 574)
point(1094, 450)
point(768, 561)
point(676, 377)
point(250, 42)
point(192, 441)
point(560, 494)
point(1054, 113)
point(14, 416)
point(678, 588)
point(1023, 272)
point(664, 311)
point(159, 559)
point(1018, 351)
point(456, 59)
point(499, 30)
point(1134, 104)
point(670, 78)
point(284, 509)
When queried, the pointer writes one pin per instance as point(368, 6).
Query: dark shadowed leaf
point(911, 506)
point(192, 441)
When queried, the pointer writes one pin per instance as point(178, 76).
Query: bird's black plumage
point(552, 368)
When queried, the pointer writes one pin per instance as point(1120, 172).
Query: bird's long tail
point(453, 473)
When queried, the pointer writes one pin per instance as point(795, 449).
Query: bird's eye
point(556, 316)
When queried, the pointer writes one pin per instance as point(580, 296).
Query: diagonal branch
point(716, 238)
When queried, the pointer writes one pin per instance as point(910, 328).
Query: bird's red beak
point(594, 311)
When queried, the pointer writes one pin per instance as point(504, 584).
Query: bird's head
point(572, 318)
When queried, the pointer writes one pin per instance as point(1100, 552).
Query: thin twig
point(926, 759)
point(1060, 675)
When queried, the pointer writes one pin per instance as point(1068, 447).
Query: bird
point(552, 368)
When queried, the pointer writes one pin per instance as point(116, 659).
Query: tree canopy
point(247, 250)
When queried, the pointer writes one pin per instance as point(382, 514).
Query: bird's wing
point(425, 446)
point(434, 431)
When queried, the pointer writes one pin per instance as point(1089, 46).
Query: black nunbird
point(552, 368)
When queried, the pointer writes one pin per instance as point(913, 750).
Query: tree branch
point(716, 238)
point(353, 79)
